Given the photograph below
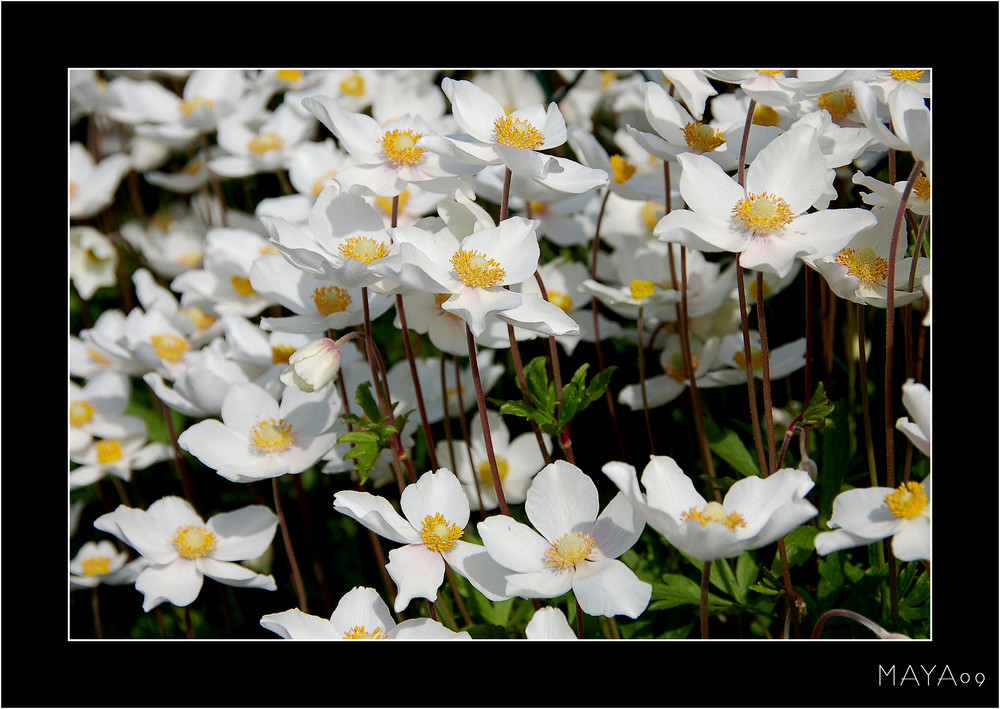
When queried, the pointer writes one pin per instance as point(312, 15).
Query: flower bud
point(314, 366)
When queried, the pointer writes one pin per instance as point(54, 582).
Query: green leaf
point(817, 412)
point(363, 396)
point(727, 445)
point(798, 546)
point(678, 590)
point(595, 390)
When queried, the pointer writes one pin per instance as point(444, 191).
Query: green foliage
point(371, 433)
point(553, 415)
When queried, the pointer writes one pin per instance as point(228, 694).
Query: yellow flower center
point(331, 299)
point(319, 184)
point(651, 214)
point(72, 188)
point(96, 565)
point(198, 316)
point(906, 74)
point(922, 187)
point(486, 475)
point(908, 501)
point(864, 264)
point(192, 104)
point(289, 75)
point(264, 142)
point(752, 289)
point(193, 541)
point(569, 550)
point(400, 147)
point(538, 207)
point(80, 412)
point(702, 138)
point(241, 285)
point(770, 72)
point(476, 269)
point(97, 356)
point(281, 353)
point(557, 297)
point(765, 116)
point(715, 512)
point(191, 259)
point(642, 289)
point(756, 358)
point(169, 347)
point(439, 534)
point(622, 168)
point(270, 436)
point(517, 133)
point(363, 248)
point(674, 367)
point(353, 85)
point(838, 103)
point(764, 213)
point(358, 632)
point(109, 450)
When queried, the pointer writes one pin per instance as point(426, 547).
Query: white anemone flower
point(92, 185)
point(260, 438)
point(917, 428)
point(93, 260)
point(576, 545)
point(755, 511)
point(435, 514)
point(126, 448)
point(361, 614)
point(181, 548)
point(865, 515)
point(100, 562)
point(766, 221)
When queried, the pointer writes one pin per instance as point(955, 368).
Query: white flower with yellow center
point(917, 400)
point(730, 366)
point(260, 147)
point(361, 614)
point(181, 548)
point(475, 271)
point(93, 185)
point(96, 407)
point(435, 514)
point(388, 157)
point(576, 545)
point(101, 562)
point(258, 438)
point(766, 221)
point(755, 511)
point(123, 448)
point(865, 515)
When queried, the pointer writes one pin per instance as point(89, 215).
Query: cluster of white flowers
point(301, 212)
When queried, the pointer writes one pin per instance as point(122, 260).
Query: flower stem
point(300, 590)
point(706, 573)
point(642, 382)
point(487, 439)
point(751, 388)
point(765, 356)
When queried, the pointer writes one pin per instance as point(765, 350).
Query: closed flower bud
point(314, 366)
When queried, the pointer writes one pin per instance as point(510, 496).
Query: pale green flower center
point(331, 299)
point(400, 147)
point(80, 412)
point(476, 269)
point(715, 512)
point(569, 550)
point(193, 541)
point(270, 436)
point(702, 138)
point(864, 264)
point(764, 213)
point(438, 533)
point(517, 133)
point(364, 249)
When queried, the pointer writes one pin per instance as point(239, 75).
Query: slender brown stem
point(765, 356)
point(642, 382)
point(418, 391)
point(751, 388)
point(300, 589)
point(487, 438)
point(866, 413)
point(706, 574)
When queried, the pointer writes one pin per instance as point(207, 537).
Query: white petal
point(562, 499)
point(610, 588)
point(474, 563)
point(438, 492)
point(417, 571)
point(513, 544)
point(178, 583)
point(295, 625)
point(377, 514)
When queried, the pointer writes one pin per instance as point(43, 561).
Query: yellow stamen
point(715, 512)
point(191, 259)
point(838, 103)
point(358, 632)
point(198, 316)
point(476, 269)
point(486, 475)
point(192, 104)
point(517, 133)
point(622, 168)
point(557, 297)
point(537, 207)
point(439, 534)
point(289, 75)
point(764, 213)
point(96, 565)
point(756, 358)
point(193, 541)
point(97, 356)
point(400, 147)
point(765, 116)
point(674, 367)
point(906, 74)
point(270, 436)
point(108, 450)
point(169, 347)
point(642, 289)
point(908, 501)
point(320, 183)
point(385, 203)
point(353, 85)
point(241, 285)
point(569, 550)
point(265, 142)
point(331, 299)
point(363, 248)
point(281, 353)
point(651, 214)
point(702, 138)
point(864, 264)
point(80, 412)
point(922, 187)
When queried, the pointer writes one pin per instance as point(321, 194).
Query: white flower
point(182, 549)
point(258, 438)
point(361, 614)
point(314, 366)
point(865, 515)
point(917, 400)
point(92, 185)
point(100, 562)
point(126, 448)
point(435, 514)
point(93, 260)
point(575, 548)
point(755, 511)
